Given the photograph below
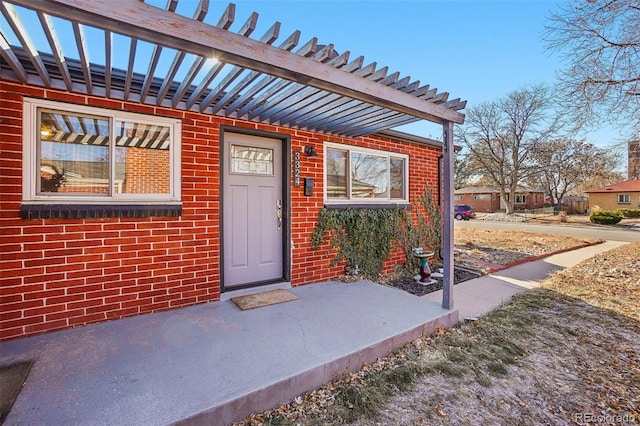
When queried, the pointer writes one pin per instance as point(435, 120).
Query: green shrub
point(629, 213)
point(605, 217)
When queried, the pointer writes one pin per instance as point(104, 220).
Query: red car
point(463, 211)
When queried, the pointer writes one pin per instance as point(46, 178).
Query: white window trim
point(30, 172)
point(349, 149)
point(628, 196)
point(522, 197)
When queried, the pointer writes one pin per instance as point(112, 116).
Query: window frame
point(626, 196)
point(482, 197)
point(369, 151)
point(522, 197)
point(30, 174)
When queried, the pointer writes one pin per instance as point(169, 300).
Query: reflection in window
point(372, 175)
point(336, 174)
point(369, 176)
point(250, 159)
point(397, 178)
point(92, 154)
point(142, 163)
point(74, 154)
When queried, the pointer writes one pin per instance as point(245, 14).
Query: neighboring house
point(487, 198)
point(126, 192)
point(575, 204)
point(620, 195)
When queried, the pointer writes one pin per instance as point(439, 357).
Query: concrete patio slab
point(213, 363)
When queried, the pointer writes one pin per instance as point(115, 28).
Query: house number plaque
point(296, 168)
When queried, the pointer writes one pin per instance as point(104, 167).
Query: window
point(84, 155)
point(624, 199)
point(457, 197)
point(520, 199)
point(482, 196)
point(360, 175)
point(251, 160)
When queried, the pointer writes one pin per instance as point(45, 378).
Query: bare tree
point(502, 136)
point(462, 170)
point(599, 42)
point(566, 164)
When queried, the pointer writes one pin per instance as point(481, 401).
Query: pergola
point(288, 83)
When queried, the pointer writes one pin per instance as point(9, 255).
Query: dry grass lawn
point(566, 353)
point(610, 280)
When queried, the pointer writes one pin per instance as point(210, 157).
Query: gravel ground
point(478, 250)
point(410, 285)
point(567, 353)
point(503, 217)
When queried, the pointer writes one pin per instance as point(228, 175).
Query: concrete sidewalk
point(480, 296)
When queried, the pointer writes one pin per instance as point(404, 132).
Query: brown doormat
point(259, 300)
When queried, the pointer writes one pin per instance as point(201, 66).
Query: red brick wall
point(493, 205)
point(532, 203)
point(480, 206)
point(60, 273)
point(147, 171)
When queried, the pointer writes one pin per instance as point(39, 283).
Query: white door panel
point(252, 195)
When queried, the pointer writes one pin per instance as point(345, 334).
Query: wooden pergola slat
point(246, 30)
point(377, 114)
point(268, 38)
point(19, 30)
point(12, 59)
point(306, 50)
point(315, 99)
point(132, 56)
point(350, 108)
point(81, 44)
point(290, 43)
point(265, 110)
point(333, 102)
point(155, 57)
point(56, 48)
point(108, 44)
point(199, 15)
point(303, 98)
point(225, 21)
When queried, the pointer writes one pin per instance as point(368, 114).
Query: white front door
point(252, 210)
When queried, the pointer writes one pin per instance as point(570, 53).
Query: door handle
point(279, 214)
